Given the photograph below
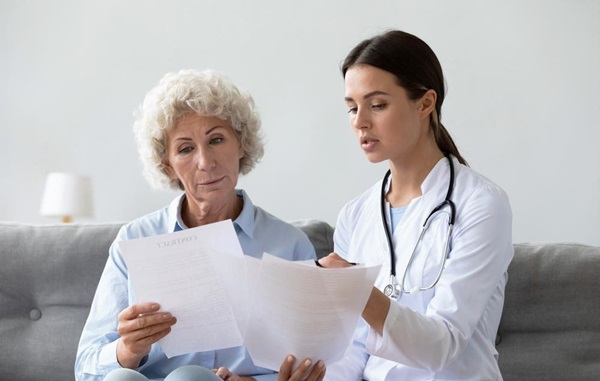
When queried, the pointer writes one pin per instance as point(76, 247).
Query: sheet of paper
point(178, 271)
point(306, 311)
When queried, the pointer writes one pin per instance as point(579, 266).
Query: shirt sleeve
point(96, 353)
point(480, 254)
point(342, 233)
point(304, 249)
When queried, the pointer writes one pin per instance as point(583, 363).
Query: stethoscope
point(395, 289)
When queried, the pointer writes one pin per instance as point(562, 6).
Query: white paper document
point(223, 299)
point(309, 312)
point(177, 271)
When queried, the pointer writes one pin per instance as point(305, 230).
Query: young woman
point(441, 231)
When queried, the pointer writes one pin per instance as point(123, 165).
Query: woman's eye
point(186, 150)
point(352, 110)
point(216, 140)
point(379, 106)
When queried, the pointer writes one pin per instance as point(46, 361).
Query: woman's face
point(203, 153)
point(388, 125)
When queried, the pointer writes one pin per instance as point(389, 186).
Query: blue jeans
point(184, 373)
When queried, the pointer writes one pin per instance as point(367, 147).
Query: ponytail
point(443, 139)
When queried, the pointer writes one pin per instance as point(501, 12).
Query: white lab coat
point(448, 332)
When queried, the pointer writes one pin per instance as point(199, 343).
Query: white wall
point(522, 102)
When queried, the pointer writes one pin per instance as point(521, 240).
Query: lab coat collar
point(439, 172)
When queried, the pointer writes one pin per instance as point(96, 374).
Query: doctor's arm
point(378, 305)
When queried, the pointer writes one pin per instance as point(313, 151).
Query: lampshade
point(67, 195)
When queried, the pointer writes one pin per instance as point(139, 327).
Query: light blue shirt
point(397, 214)
point(258, 232)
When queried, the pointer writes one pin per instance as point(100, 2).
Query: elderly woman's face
point(203, 153)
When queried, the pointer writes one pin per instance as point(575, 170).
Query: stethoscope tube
point(393, 289)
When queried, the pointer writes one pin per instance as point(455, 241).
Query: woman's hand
point(317, 373)
point(225, 374)
point(140, 326)
point(334, 261)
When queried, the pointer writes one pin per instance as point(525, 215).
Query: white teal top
point(448, 332)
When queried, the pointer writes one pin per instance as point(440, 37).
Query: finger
point(222, 372)
point(285, 370)
point(137, 339)
point(333, 260)
point(301, 371)
point(135, 310)
point(146, 324)
point(318, 372)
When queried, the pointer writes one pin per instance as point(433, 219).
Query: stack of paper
point(223, 299)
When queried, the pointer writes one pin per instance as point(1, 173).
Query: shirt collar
point(244, 222)
point(174, 214)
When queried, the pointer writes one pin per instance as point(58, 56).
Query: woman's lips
point(368, 144)
point(211, 182)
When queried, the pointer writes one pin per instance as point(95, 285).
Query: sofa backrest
point(48, 276)
point(550, 328)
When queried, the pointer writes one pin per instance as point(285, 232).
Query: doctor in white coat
point(436, 305)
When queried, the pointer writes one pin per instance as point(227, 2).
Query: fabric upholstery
point(550, 328)
point(320, 234)
point(48, 276)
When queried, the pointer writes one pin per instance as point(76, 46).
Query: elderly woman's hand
point(225, 374)
point(334, 261)
point(140, 326)
point(303, 373)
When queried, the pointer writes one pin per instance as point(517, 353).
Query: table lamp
point(67, 195)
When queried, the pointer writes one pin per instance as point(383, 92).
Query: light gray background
point(522, 104)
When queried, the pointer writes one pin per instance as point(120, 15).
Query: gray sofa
point(550, 327)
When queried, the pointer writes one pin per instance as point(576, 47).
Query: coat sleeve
point(351, 366)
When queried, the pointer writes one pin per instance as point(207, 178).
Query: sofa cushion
point(319, 233)
point(48, 276)
point(550, 326)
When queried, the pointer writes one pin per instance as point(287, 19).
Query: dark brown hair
point(416, 69)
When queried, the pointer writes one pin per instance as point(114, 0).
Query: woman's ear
point(428, 103)
point(168, 169)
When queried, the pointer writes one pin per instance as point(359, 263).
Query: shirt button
point(35, 314)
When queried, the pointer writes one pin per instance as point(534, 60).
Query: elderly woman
point(195, 132)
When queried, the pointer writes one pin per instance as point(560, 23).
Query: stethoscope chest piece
point(392, 291)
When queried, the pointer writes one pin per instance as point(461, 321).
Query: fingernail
point(307, 362)
point(166, 316)
point(289, 358)
point(155, 307)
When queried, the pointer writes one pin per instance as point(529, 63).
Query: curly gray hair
point(206, 93)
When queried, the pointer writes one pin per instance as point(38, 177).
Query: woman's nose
point(361, 120)
point(205, 160)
